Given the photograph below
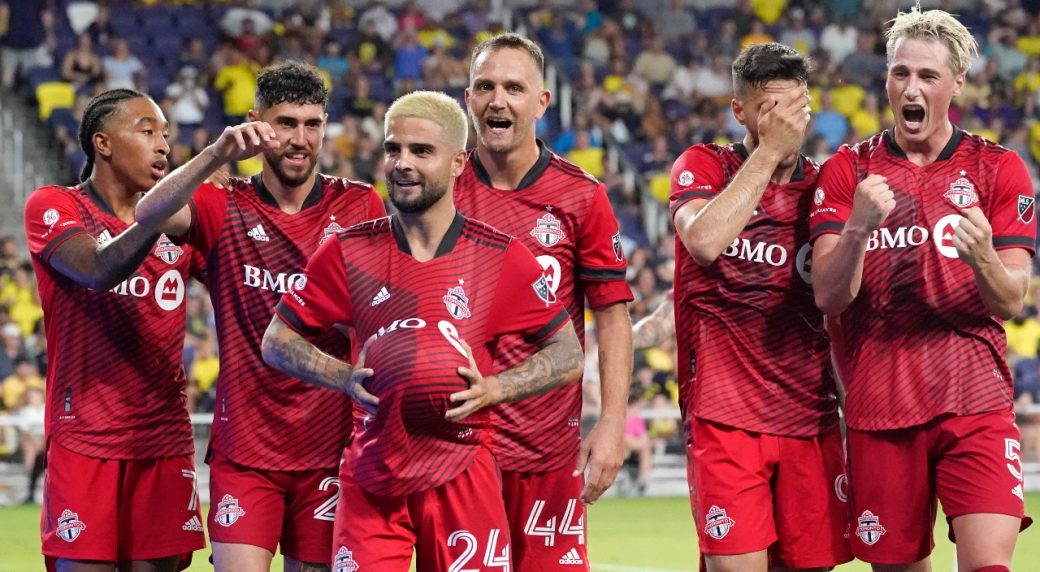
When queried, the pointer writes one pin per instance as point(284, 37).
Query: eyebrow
point(152, 121)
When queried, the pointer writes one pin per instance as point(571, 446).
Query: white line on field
point(626, 568)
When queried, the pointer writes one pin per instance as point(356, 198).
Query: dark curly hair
point(760, 64)
point(291, 82)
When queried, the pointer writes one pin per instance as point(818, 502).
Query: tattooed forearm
point(559, 361)
point(288, 352)
point(118, 259)
point(652, 330)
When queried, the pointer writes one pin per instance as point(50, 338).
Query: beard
point(431, 193)
point(274, 160)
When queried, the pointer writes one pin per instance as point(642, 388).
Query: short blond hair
point(435, 106)
point(935, 25)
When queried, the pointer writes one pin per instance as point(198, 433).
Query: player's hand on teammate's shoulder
point(483, 391)
point(973, 238)
point(356, 383)
point(240, 142)
point(782, 121)
point(221, 178)
point(871, 204)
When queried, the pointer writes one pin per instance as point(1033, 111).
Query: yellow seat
point(51, 95)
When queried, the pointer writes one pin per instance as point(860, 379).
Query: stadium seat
point(53, 95)
point(41, 75)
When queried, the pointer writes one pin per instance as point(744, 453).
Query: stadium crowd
point(649, 77)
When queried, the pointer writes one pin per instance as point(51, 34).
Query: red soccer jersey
point(752, 350)
point(115, 383)
point(918, 341)
point(563, 216)
point(481, 285)
point(254, 251)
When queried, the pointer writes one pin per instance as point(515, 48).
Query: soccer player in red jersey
point(426, 285)
point(120, 486)
point(923, 239)
point(764, 457)
point(514, 183)
point(275, 443)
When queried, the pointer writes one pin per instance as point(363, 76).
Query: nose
point(498, 98)
point(913, 87)
point(296, 137)
point(164, 147)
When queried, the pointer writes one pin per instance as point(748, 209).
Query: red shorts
point(970, 463)
point(460, 525)
point(117, 510)
point(546, 520)
point(753, 491)
point(264, 508)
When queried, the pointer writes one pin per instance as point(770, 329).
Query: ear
point(465, 97)
point(543, 102)
point(458, 164)
point(958, 84)
point(253, 115)
point(738, 110)
point(102, 144)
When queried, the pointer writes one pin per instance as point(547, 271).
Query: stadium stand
point(635, 83)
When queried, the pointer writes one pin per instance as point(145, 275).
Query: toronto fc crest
point(548, 230)
point(344, 561)
point(333, 229)
point(228, 511)
point(457, 302)
point(962, 193)
point(869, 529)
point(69, 526)
point(716, 523)
point(166, 250)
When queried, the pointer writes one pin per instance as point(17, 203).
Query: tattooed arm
point(559, 361)
point(652, 330)
point(103, 267)
point(289, 352)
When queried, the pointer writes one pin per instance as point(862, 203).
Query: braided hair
point(98, 112)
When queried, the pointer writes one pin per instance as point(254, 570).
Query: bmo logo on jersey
point(263, 279)
point(905, 237)
point(168, 291)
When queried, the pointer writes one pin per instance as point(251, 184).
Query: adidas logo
point(1017, 491)
point(571, 557)
point(104, 238)
point(257, 233)
point(193, 525)
point(382, 296)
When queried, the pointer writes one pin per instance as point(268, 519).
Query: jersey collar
point(265, 194)
point(91, 190)
point(544, 156)
point(447, 243)
point(799, 168)
point(947, 152)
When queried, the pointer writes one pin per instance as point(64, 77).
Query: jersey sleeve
point(832, 201)
point(601, 260)
point(696, 174)
point(376, 208)
point(524, 304)
point(52, 216)
point(208, 211)
point(320, 299)
point(1013, 209)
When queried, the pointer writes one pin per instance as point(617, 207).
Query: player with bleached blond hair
point(923, 239)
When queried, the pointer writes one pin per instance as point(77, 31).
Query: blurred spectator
point(236, 82)
point(796, 35)
point(190, 100)
point(18, 294)
point(371, 50)
point(586, 156)
point(830, 124)
point(866, 64)
point(23, 46)
point(14, 387)
point(334, 62)
point(248, 39)
point(81, 66)
point(381, 18)
point(409, 58)
point(637, 439)
point(675, 22)
point(122, 68)
point(100, 30)
point(757, 35)
point(195, 55)
point(30, 419)
point(202, 375)
point(411, 18)
point(12, 349)
point(654, 65)
point(839, 39)
point(233, 22)
point(1005, 53)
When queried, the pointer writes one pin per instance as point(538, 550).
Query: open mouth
point(296, 159)
point(499, 125)
point(913, 115)
point(405, 183)
point(159, 169)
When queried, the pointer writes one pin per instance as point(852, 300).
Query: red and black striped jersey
point(254, 251)
point(481, 285)
point(918, 341)
point(115, 383)
point(563, 216)
point(753, 353)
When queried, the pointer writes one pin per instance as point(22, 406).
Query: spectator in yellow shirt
point(237, 84)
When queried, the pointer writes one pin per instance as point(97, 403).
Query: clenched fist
point(871, 203)
point(973, 238)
